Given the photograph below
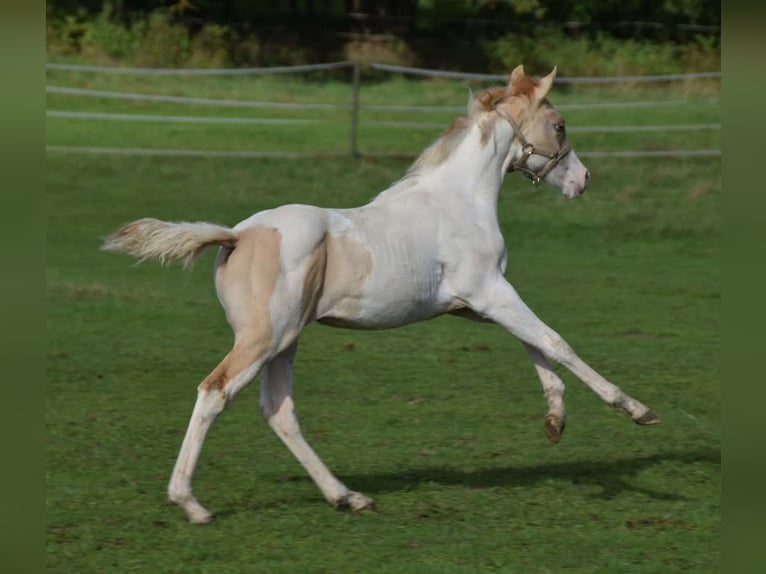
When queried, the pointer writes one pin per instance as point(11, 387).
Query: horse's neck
point(471, 175)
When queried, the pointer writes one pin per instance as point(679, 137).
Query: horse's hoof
point(195, 512)
point(355, 501)
point(648, 418)
point(201, 518)
point(554, 427)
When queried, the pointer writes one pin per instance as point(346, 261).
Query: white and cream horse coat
point(428, 245)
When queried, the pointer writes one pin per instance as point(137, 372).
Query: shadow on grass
point(614, 477)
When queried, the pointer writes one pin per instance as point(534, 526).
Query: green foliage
point(163, 44)
point(154, 41)
point(210, 47)
point(602, 55)
point(533, 8)
point(165, 37)
point(108, 36)
point(385, 50)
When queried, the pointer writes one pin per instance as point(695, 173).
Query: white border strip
point(266, 154)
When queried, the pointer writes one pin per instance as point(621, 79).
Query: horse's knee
point(557, 349)
point(210, 402)
point(283, 420)
point(235, 371)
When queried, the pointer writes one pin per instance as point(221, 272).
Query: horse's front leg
point(553, 389)
point(500, 303)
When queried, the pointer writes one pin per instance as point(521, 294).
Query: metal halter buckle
point(528, 150)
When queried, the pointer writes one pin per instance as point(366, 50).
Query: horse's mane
point(478, 108)
point(435, 154)
point(478, 111)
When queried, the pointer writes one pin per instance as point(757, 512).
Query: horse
point(428, 245)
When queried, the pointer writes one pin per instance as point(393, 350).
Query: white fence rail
point(559, 80)
point(186, 100)
point(354, 107)
point(287, 154)
point(198, 71)
point(318, 106)
point(380, 67)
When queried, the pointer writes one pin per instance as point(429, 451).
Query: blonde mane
point(479, 112)
point(479, 109)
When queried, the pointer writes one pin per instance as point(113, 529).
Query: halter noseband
point(528, 149)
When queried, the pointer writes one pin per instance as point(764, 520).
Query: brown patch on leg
point(245, 352)
point(246, 279)
point(217, 379)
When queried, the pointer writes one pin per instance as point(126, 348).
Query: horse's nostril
point(587, 176)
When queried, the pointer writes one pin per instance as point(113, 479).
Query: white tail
point(168, 242)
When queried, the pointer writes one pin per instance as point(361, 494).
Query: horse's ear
point(544, 86)
point(516, 75)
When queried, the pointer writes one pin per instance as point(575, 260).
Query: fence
point(354, 107)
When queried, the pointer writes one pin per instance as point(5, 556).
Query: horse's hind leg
point(236, 370)
point(278, 409)
point(553, 389)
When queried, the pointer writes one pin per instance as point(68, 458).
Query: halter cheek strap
point(527, 150)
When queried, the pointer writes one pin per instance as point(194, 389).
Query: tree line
point(470, 34)
point(662, 19)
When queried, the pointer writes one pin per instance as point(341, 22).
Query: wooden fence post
point(355, 111)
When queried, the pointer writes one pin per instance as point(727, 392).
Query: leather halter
point(528, 149)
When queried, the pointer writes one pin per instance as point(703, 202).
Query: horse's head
point(540, 149)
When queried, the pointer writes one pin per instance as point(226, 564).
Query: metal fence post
point(355, 111)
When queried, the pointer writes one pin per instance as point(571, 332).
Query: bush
point(163, 44)
point(601, 55)
point(379, 49)
point(210, 47)
point(159, 40)
point(154, 41)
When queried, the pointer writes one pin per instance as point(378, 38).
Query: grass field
point(440, 422)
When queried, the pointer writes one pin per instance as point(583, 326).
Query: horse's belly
point(385, 303)
point(379, 279)
point(381, 317)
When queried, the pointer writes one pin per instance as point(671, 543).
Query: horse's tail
point(168, 242)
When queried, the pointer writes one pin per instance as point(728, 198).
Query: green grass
point(441, 422)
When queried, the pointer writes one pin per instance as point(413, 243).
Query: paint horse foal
point(428, 245)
